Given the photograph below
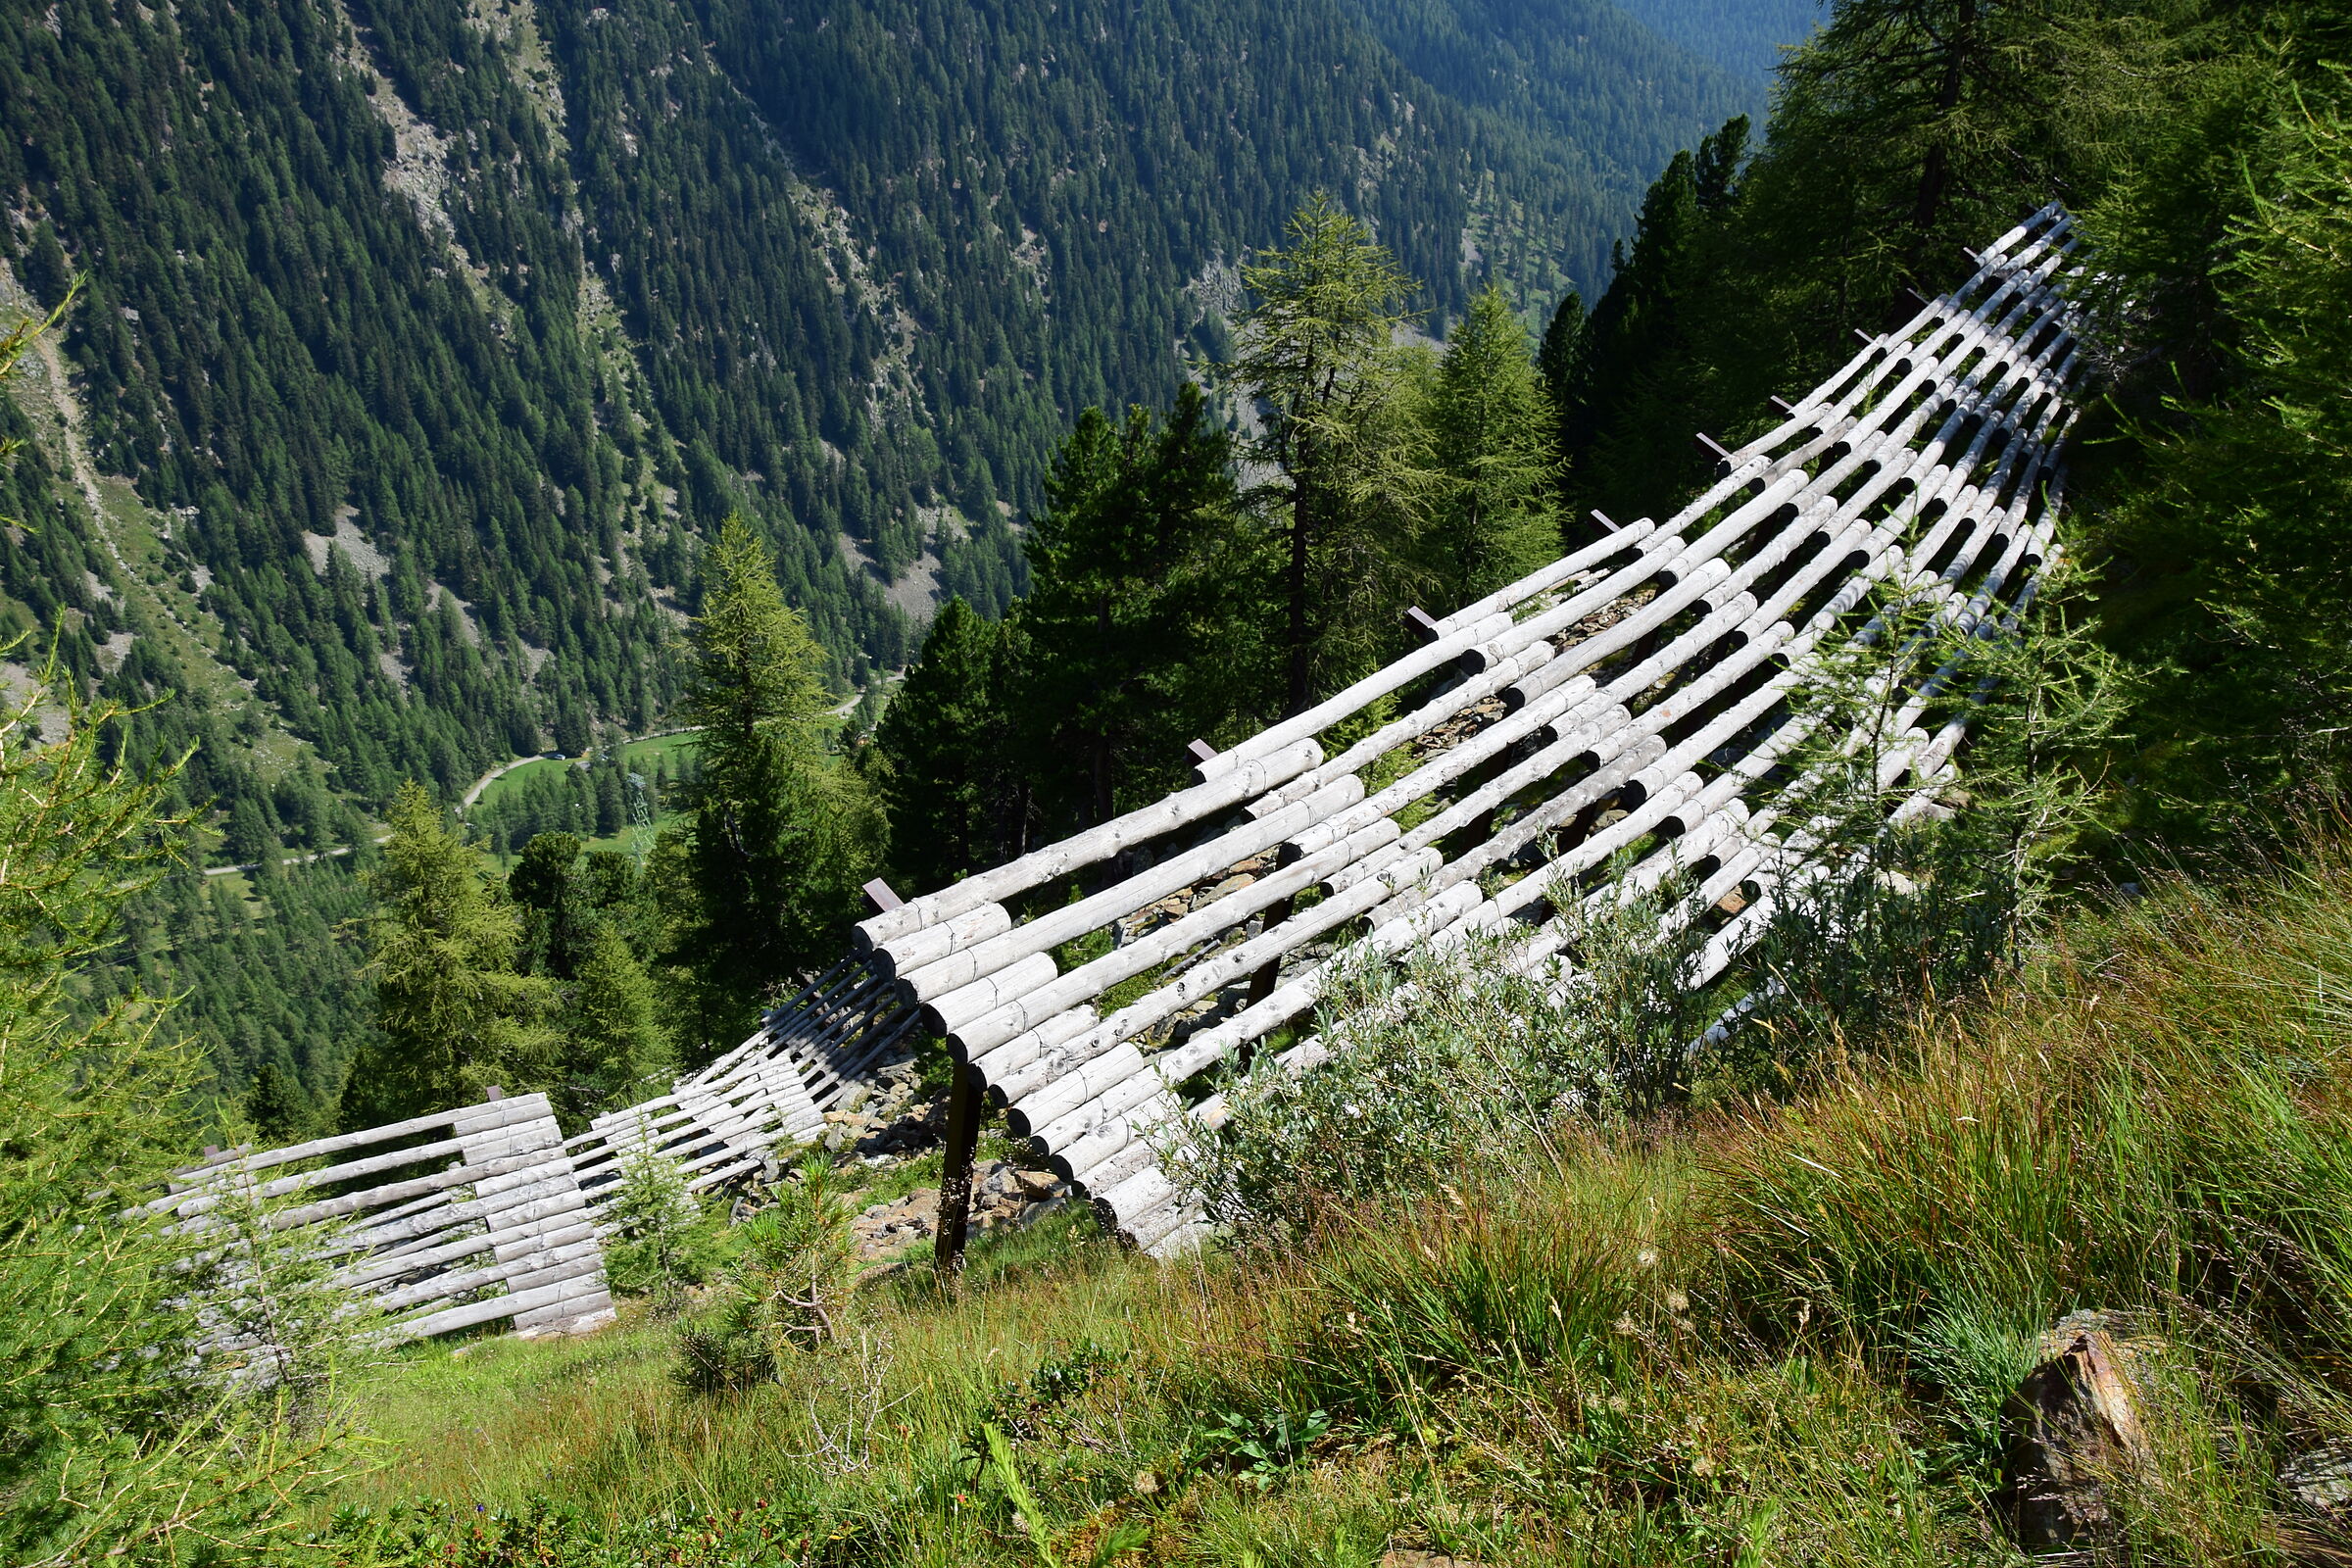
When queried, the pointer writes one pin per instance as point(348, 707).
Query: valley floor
point(1763, 1334)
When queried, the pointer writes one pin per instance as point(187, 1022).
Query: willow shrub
point(1454, 1065)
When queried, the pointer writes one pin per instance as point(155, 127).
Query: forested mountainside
point(1531, 1258)
point(1735, 35)
point(512, 304)
point(420, 344)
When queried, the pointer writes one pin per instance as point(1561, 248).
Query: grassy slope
point(638, 755)
point(1764, 1335)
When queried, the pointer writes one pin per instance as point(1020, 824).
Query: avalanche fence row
point(1633, 694)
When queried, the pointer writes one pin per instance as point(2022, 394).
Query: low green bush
point(786, 1292)
point(662, 1240)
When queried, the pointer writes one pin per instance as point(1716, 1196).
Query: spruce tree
point(1492, 435)
point(455, 1015)
point(276, 1107)
point(762, 879)
point(1623, 436)
point(1563, 340)
point(956, 791)
point(618, 1049)
point(1142, 628)
point(554, 936)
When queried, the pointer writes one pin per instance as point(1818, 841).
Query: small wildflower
point(1647, 1258)
point(1145, 1483)
point(1625, 1325)
point(1702, 1466)
point(1619, 1404)
point(1677, 1303)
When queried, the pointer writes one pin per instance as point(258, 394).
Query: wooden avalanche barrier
point(1631, 697)
point(456, 1219)
point(1634, 692)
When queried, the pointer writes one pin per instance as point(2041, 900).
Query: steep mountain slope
point(509, 303)
point(420, 341)
point(1743, 36)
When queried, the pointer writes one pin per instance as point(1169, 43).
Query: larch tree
point(1492, 431)
point(1316, 352)
point(112, 1446)
point(455, 1015)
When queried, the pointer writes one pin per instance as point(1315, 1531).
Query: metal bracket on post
point(1606, 520)
point(1422, 624)
point(493, 1093)
point(955, 1177)
point(879, 894)
point(1201, 750)
point(1787, 408)
point(1713, 447)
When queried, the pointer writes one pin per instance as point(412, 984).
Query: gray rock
point(1037, 1185)
point(2071, 1425)
point(2321, 1480)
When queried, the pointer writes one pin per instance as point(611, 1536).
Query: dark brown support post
point(956, 1178)
point(1269, 974)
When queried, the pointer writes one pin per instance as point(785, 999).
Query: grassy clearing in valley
point(1760, 1334)
point(638, 755)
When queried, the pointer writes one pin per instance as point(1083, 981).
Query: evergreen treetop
point(455, 1015)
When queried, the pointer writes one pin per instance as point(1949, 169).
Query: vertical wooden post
point(1269, 974)
point(955, 1177)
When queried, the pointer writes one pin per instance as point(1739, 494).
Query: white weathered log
point(937, 983)
point(465, 1118)
point(562, 1262)
point(1543, 579)
point(584, 1313)
point(1229, 788)
point(932, 943)
point(451, 1319)
point(1431, 656)
point(1031, 1010)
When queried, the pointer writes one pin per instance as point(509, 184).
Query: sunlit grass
point(1760, 1334)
